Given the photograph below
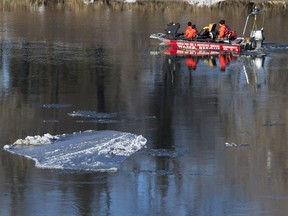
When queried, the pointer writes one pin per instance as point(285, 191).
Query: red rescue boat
point(201, 45)
point(238, 45)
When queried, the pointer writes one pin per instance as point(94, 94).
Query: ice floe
point(105, 118)
point(89, 150)
point(232, 144)
point(55, 106)
point(92, 114)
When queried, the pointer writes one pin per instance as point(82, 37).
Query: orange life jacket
point(190, 32)
point(225, 31)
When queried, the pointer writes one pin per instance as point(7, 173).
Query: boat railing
point(254, 13)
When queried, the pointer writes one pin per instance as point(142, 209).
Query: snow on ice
point(89, 150)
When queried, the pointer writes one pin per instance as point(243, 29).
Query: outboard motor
point(258, 37)
point(255, 41)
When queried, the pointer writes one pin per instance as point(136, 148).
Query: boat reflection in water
point(254, 70)
point(223, 60)
point(245, 69)
point(213, 58)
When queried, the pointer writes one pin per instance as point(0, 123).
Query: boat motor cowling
point(258, 37)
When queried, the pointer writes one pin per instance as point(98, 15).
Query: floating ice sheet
point(92, 114)
point(89, 150)
point(55, 106)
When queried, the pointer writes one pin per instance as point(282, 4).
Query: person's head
point(193, 26)
point(189, 23)
point(221, 22)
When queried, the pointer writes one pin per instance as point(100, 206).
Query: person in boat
point(225, 32)
point(208, 31)
point(190, 31)
point(195, 32)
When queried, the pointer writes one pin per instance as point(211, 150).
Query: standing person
point(190, 32)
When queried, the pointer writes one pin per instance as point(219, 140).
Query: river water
point(217, 134)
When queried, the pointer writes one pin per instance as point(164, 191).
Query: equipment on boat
point(210, 42)
point(256, 35)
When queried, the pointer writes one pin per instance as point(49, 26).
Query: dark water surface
point(217, 135)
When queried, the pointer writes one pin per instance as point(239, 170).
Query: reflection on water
point(192, 57)
point(65, 70)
